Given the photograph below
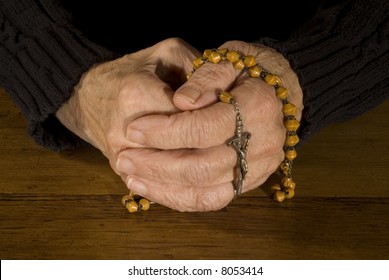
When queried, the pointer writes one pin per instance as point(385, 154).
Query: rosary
point(240, 141)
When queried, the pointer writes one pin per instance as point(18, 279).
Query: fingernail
point(125, 165)
point(136, 136)
point(137, 187)
point(189, 94)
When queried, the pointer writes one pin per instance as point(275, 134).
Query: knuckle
point(209, 201)
point(196, 172)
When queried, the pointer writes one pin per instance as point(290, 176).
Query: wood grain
point(67, 205)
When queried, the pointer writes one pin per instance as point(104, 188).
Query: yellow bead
point(144, 203)
point(223, 52)
point(289, 109)
point(282, 93)
point(255, 71)
point(291, 124)
point(284, 168)
point(286, 181)
point(293, 185)
point(226, 97)
point(239, 65)
point(125, 199)
point(132, 206)
point(214, 57)
point(190, 74)
point(290, 154)
point(198, 62)
point(207, 53)
point(289, 192)
point(249, 61)
point(233, 56)
point(272, 80)
point(291, 140)
point(276, 187)
point(279, 196)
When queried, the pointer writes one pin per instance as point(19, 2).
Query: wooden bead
point(284, 168)
point(145, 204)
point(249, 61)
point(125, 199)
point(289, 109)
point(276, 187)
point(291, 140)
point(290, 154)
point(282, 93)
point(291, 124)
point(190, 74)
point(132, 206)
point(233, 56)
point(214, 57)
point(223, 53)
point(279, 196)
point(198, 62)
point(226, 97)
point(255, 71)
point(239, 65)
point(207, 53)
point(289, 192)
point(286, 181)
point(272, 80)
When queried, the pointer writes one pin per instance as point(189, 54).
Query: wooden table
point(68, 205)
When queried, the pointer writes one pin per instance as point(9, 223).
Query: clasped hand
point(166, 136)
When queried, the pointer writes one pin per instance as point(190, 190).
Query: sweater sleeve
point(341, 57)
point(42, 57)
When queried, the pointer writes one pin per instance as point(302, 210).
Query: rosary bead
point(226, 97)
point(198, 62)
point(284, 168)
point(289, 192)
point(291, 140)
point(272, 80)
point(291, 124)
point(190, 74)
point(125, 199)
point(289, 109)
point(255, 71)
point(233, 56)
point(279, 196)
point(282, 93)
point(287, 181)
point(132, 206)
point(207, 53)
point(215, 57)
point(223, 52)
point(276, 187)
point(290, 154)
point(249, 61)
point(144, 203)
point(239, 65)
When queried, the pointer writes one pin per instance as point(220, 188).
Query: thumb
point(203, 87)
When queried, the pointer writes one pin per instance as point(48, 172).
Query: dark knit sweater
point(341, 56)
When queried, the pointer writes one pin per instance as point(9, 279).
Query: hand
point(189, 167)
point(111, 95)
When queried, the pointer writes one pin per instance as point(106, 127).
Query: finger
point(197, 168)
point(181, 198)
point(210, 126)
point(203, 87)
point(174, 59)
point(187, 167)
